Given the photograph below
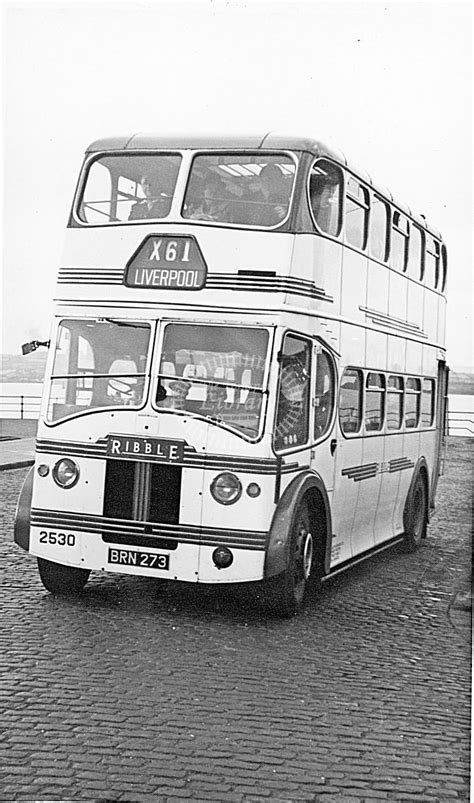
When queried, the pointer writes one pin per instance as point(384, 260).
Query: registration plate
point(145, 560)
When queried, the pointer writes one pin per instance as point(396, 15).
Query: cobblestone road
point(137, 692)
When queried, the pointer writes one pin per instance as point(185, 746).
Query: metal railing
point(20, 406)
point(460, 423)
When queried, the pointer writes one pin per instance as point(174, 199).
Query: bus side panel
point(389, 487)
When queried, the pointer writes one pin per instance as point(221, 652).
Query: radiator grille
point(139, 491)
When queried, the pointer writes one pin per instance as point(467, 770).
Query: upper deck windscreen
point(246, 189)
point(251, 189)
point(131, 187)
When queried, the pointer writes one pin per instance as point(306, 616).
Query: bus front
point(156, 442)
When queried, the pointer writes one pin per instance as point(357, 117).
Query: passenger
point(153, 204)
point(271, 197)
point(214, 203)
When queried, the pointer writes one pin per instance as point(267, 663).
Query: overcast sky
point(387, 83)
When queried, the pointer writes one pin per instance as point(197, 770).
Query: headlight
point(65, 473)
point(226, 488)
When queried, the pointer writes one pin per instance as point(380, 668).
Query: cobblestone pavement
point(140, 692)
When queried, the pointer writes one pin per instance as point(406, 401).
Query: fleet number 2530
point(61, 539)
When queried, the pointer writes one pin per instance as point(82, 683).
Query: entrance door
point(441, 426)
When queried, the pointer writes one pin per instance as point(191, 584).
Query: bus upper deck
point(155, 220)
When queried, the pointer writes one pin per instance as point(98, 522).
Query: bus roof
point(269, 141)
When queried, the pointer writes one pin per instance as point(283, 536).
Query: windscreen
point(216, 372)
point(249, 189)
point(129, 187)
point(97, 364)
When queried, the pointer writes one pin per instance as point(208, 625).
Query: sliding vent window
point(350, 401)
point(412, 403)
point(97, 364)
point(356, 214)
point(395, 403)
point(374, 402)
point(326, 183)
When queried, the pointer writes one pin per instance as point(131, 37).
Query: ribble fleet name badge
point(167, 262)
point(151, 448)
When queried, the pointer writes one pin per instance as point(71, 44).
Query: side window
point(324, 394)
point(379, 217)
point(356, 212)
point(427, 403)
point(292, 415)
point(394, 403)
point(444, 266)
point(399, 242)
point(432, 262)
point(374, 402)
point(415, 256)
point(412, 403)
point(325, 194)
point(96, 204)
point(350, 401)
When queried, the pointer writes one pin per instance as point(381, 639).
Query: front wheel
point(417, 516)
point(286, 591)
point(59, 579)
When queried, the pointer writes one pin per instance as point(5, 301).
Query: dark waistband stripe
point(182, 533)
point(214, 281)
point(191, 459)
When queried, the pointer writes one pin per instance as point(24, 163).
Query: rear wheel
point(417, 516)
point(286, 591)
point(61, 579)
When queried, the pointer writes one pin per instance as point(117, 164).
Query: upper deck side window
point(444, 264)
point(416, 252)
point(326, 182)
point(379, 219)
point(356, 213)
point(250, 189)
point(431, 276)
point(137, 186)
point(399, 241)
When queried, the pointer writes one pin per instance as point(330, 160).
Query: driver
point(153, 205)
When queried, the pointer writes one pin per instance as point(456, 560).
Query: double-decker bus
point(246, 380)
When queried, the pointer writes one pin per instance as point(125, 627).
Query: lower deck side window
point(412, 403)
point(350, 401)
point(374, 402)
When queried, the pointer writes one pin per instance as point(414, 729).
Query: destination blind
point(167, 262)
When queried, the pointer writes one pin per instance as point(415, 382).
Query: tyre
point(416, 516)
point(286, 591)
point(59, 579)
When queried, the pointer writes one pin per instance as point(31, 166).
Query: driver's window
point(323, 393)
point(291, 426)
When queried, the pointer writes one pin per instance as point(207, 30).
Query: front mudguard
point(23, 512)
point(277, 554)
